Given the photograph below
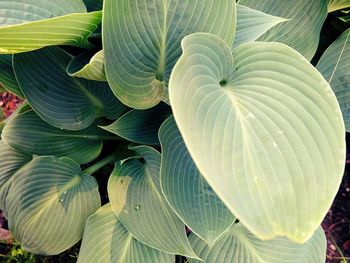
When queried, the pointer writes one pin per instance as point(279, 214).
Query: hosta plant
point(227, 144)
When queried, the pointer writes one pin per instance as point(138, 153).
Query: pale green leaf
point(107, 240)
point(88, 67)
point(302, 31)
point(239, 245)
point(10, 161)
point(186, 190)
point(7, 76)
point(334, 5)
point(135, 195)
point(334, 66)
point(48, 203)
point(28, 133)
point(141, 41)
point(265, 130)
point(252, 24)
point(63, 101)
point(27, 25)
point(140, 126)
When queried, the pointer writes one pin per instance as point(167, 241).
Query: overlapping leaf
point(334, 66)
point(239, 245)
point(29, 134)
point(48, 204)
point(63, 101)
point(186, 190)
point(140, 126)
point(107, 240)
point(302, 31)
point(252, 24)
point(135, 195)
point(334, 5)
point(27, 25)
point(7, 76)
point(88, 67)
point(265, 130)
point(10, 161)
point(141, 41)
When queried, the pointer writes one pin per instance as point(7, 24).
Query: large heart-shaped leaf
point(334, 5)
point(88, 66)
point(265, 130)
point(136, 197)
point(107, 240)
point(140, 126)
point(186, 190)
point(239, 245)
point(252, 24)
point(7, 76)
point(141, 41)
point(48, 203)
point(27, 25)
point(302, 31)
point(63, 101)
point(28, 133)
point(10, 161)
point(334, 66)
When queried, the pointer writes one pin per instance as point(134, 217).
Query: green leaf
point(10, 161)
point(185, 189)
point(28, 133)
point(334, 5)
point(140, 126)
point(48, 203)
point(334, 66)
point(88, 66)
point(63, 101)
point(27, 25)
point(265, 130)
point(252, 24)
point(135, 195)
point(7, 76)
point(141, 41)
point(302, 31)
point(107, 240)
point(93, 5)
point(239, 245)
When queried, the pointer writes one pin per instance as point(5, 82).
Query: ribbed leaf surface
point(140, 126)
point(10, 161)
point(252, 24)
point(28, 133)
point(85, 66)
point(48, 204)
point(334, 5)
point(239, 246)
point(63, 101)
point(7, 76)
point(302, 31)
point(265, 130)
point(27, 25)
point(135, 195)
point(141, 41)
point(187, 191)
point(334, 66)
point(107, 240)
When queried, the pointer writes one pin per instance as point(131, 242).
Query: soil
point(336, 224)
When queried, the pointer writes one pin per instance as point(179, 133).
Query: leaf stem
point(97, 166)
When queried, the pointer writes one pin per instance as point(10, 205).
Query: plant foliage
point(216, 123)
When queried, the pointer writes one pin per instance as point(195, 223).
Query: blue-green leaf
point(187, 191)
point(107, 240)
